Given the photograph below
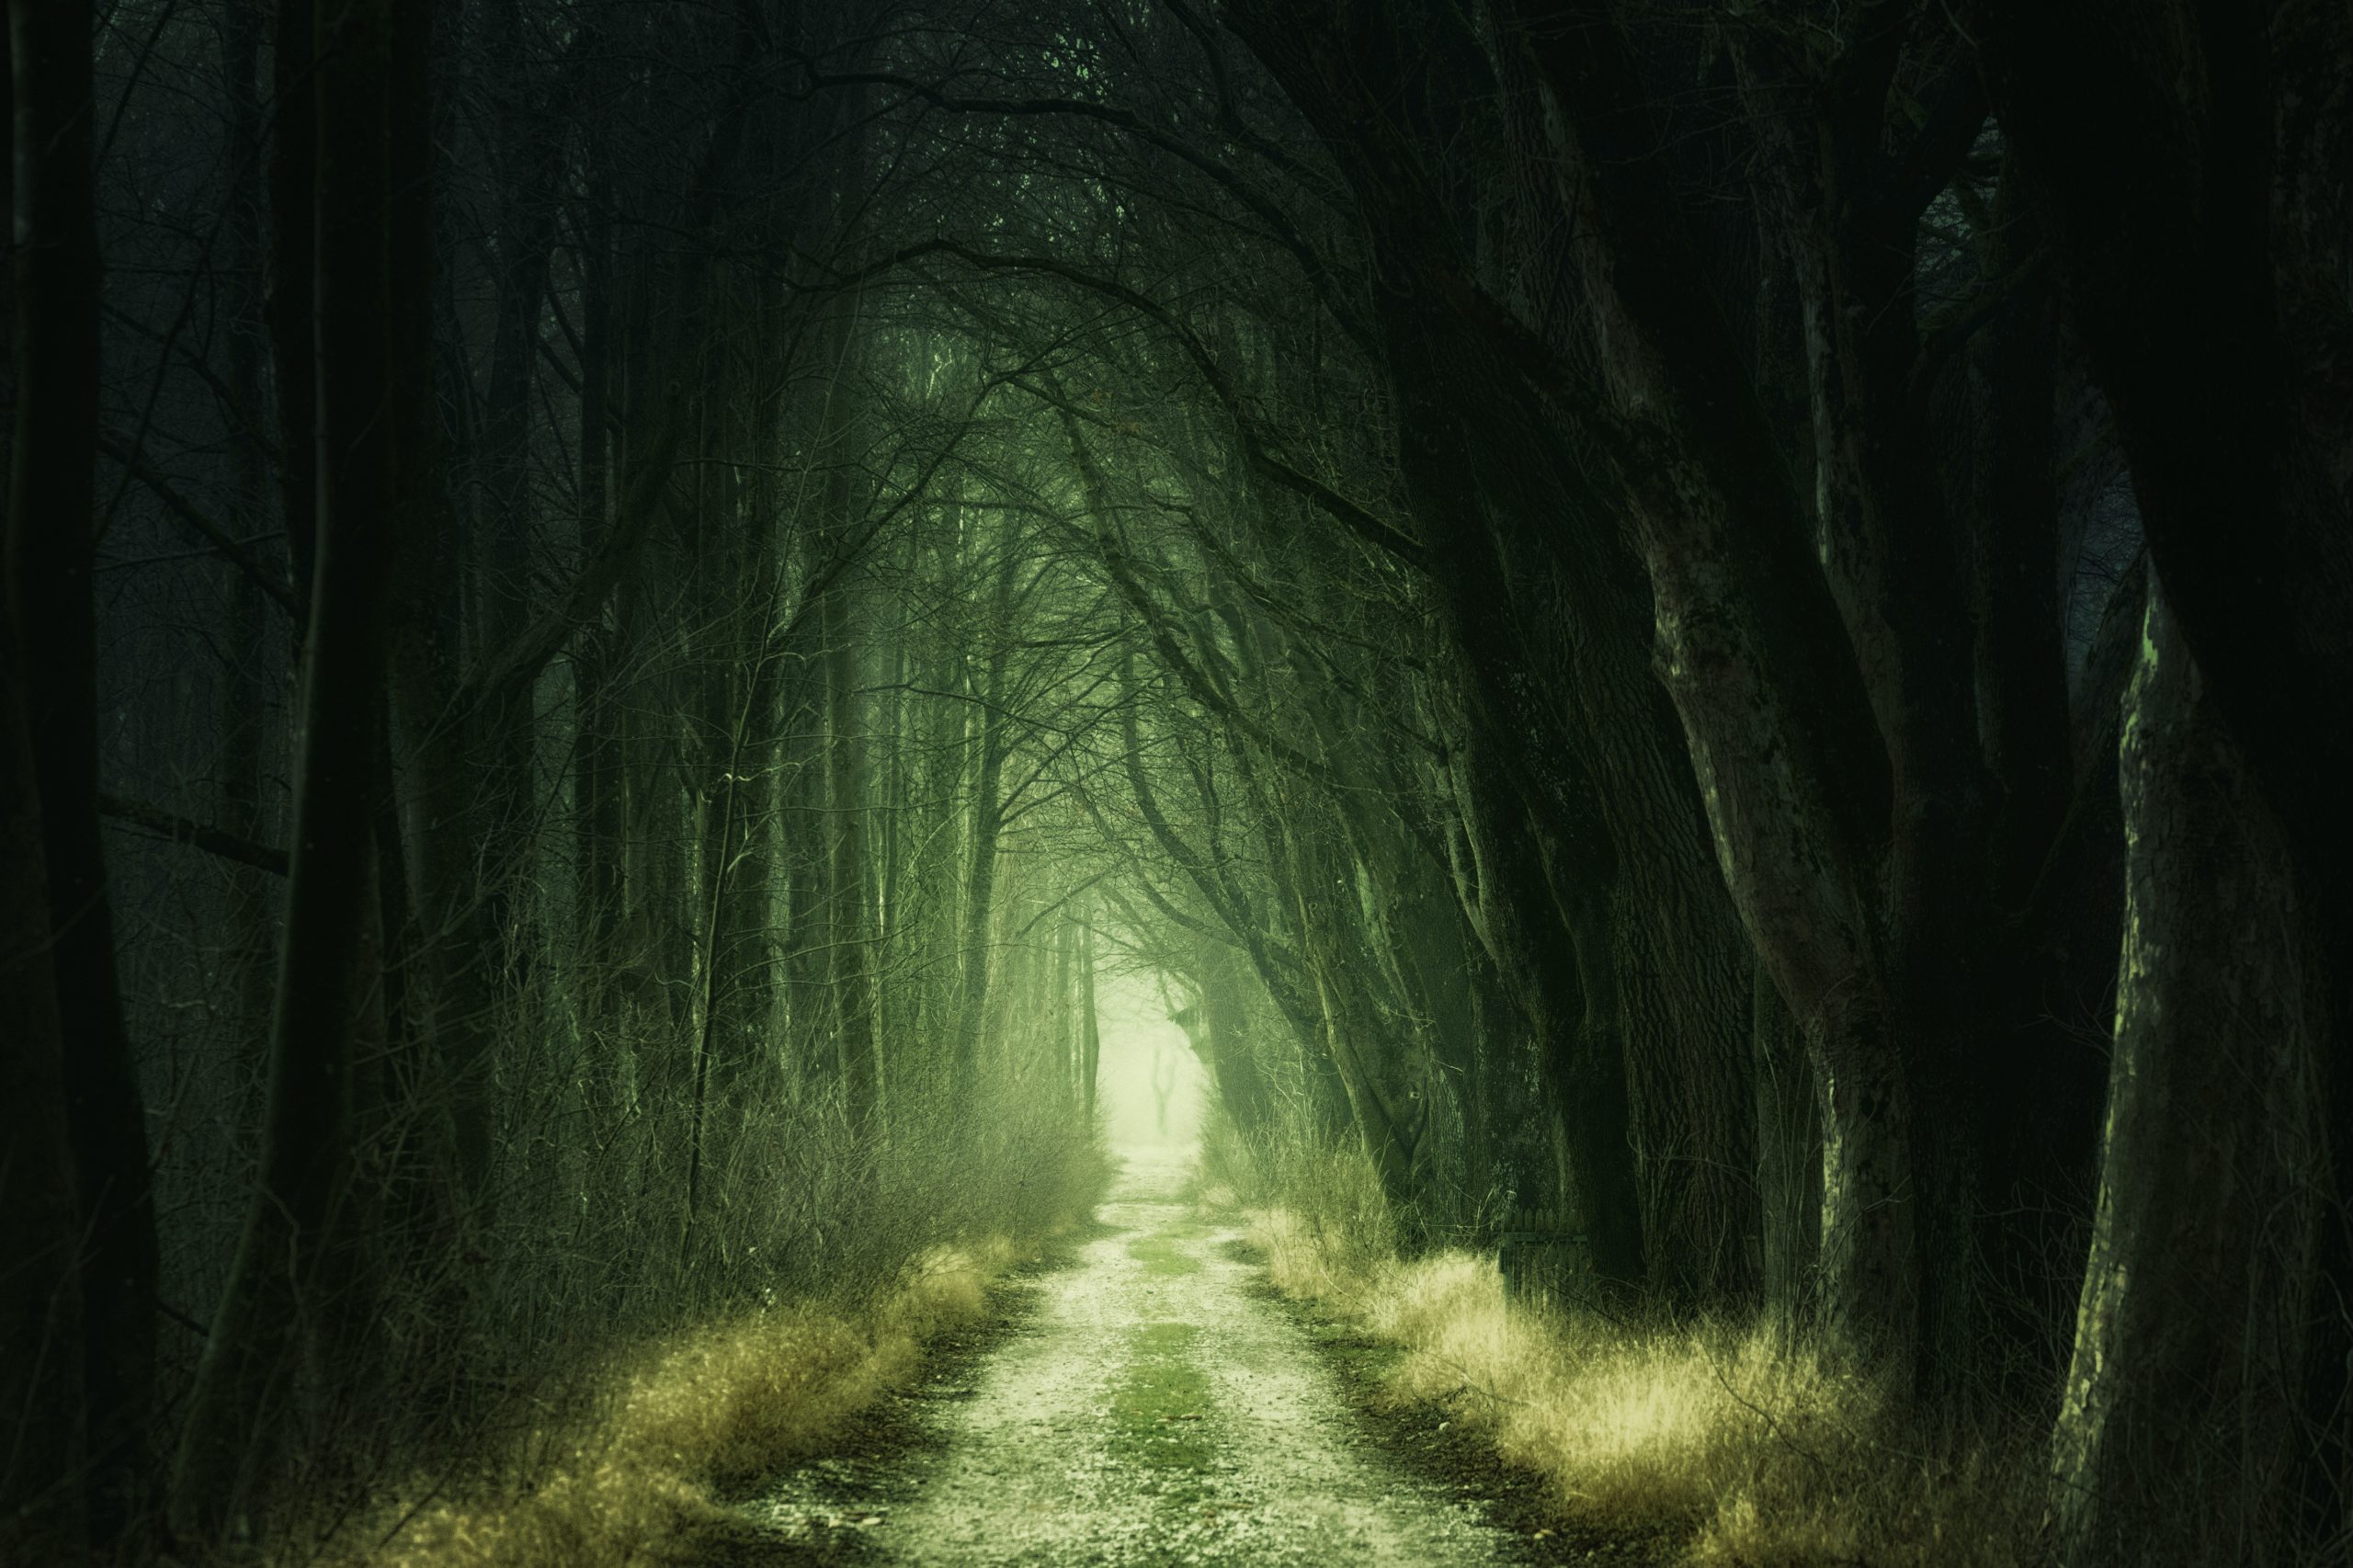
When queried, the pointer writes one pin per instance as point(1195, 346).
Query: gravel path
point(1155, 1412)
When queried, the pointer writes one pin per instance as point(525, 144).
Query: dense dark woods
point(1713, 635)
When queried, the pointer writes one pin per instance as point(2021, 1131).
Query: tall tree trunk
point(849, 788)
point(1549, 963)
point(50, 554)
point(294, 244)
point(1789, 737)
point(1788, 1158)
point(600, 795)
point(287, 1260)
point(744, 948)
point(1381, 1072)
point(988, 805)
point(440, 790)
point(1549, 615)
point(499, 729)
point(2234, 234)
point(2190, 1340)
point(44, 1517)
point(1090, 1036)
point(246, 689)
point(810, 1001)
point(1224, 1030)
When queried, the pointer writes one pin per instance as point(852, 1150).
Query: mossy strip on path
point(1162, 1257)
point(1160, 1410)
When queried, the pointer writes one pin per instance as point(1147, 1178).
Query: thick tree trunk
point(1789, 1160)
point(51, 555)
point(287, 1260)
point(1225, 1033)
point(1413, 930)
point(44, 1517)
point(1549, 959)
point(2233, 237)
point(2191, 1337)
point(1791, 726)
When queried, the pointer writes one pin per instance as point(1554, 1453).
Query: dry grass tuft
point(669, 1429)
point(1727, 1440)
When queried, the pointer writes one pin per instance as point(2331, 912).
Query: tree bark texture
point(2193, 1326)
point(51, 551)
point(2210, 297)
point(288, 1264)
point(43, 1515)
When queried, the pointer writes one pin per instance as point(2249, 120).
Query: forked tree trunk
point(2190, 1336)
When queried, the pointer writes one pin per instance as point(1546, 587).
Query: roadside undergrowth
point(628, 1405)
point(1727, 1444)
point(640, 1471)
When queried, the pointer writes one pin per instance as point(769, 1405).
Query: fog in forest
point(1176, 781)
point(1154, 1090)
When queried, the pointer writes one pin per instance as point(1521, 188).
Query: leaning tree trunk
point(50, 545)
point(287, 1254)
point(2191, 1335)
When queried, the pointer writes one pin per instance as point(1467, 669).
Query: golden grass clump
point(668, 1430)
point(1732, 1445)
point(1301, 1259)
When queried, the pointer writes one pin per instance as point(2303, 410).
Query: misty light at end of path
point(1152, 1090)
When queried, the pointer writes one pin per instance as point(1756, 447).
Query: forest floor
point(1145, 1399)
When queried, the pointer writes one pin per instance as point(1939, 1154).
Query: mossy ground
point(1160, 1409)
point(1162, 1256)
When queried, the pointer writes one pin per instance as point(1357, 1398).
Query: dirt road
point(1151, 1411)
